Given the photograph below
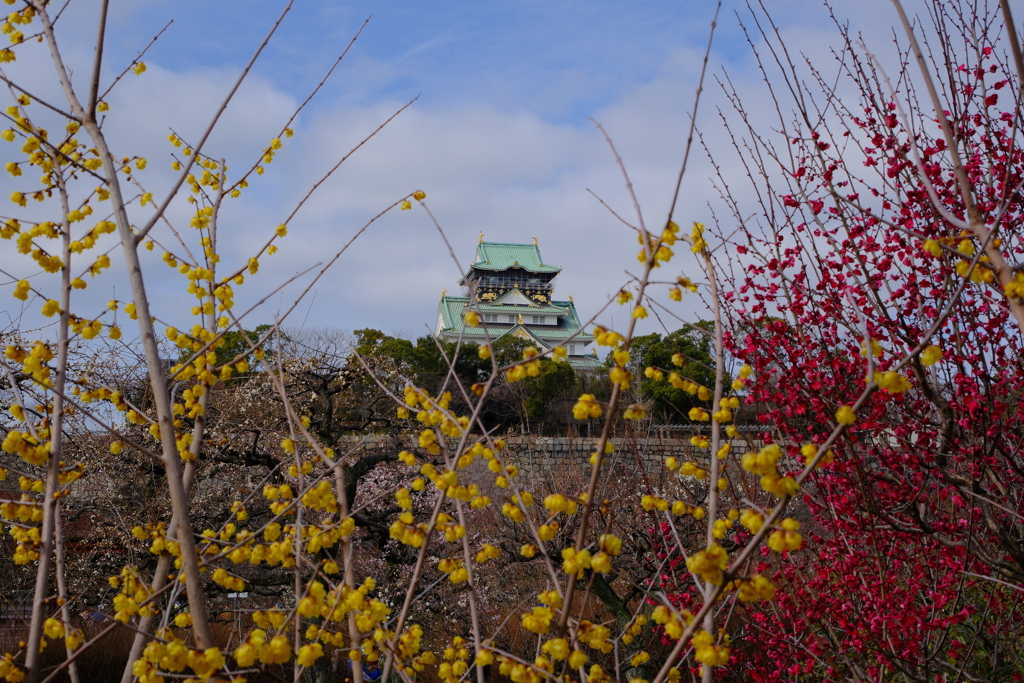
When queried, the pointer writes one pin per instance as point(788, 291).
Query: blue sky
point(500, 138)
point(565, 60)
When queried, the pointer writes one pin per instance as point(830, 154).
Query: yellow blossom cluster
point(697, 238)
point(764, 463)
point(530, 368)
point(28, 541)
point(678, 508)
point(673, 624)
point(752, 520)
point(34, 363)
point(709, 564)
point(892, 382)
point(587, 407)
point(979, 274)
point(9, 671)
point(134, 592)
point(174, 657)
point(538, 620)
point(809, 450)
point(634, 629)
point(931, 355)
point(454, 664)
point(607, 337)
point(786, 538)
point(706, 652)
point(755, 588)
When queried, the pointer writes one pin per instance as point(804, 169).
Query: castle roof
point(499, 256)
point(452, 325)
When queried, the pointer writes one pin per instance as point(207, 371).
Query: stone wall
point(542, 459)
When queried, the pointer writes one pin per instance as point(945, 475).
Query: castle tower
point(512, 290)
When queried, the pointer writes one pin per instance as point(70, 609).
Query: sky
point(501, 135)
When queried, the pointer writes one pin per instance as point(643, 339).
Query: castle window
point(572, 349)
point(490, 317)
point(512, 319)
point(538, 320)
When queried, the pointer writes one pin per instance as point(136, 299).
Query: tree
point(687, 352)
point(881, 292)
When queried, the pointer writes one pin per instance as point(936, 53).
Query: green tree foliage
point(423, 361)
point(235, 344)
point(557, 380)
point(539, 404)
point(669, 404)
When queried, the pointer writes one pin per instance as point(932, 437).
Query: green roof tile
point(452, 308)
point(502, 256)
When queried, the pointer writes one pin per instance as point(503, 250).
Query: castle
point(512, 290)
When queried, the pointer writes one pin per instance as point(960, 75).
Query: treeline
point(540, 405)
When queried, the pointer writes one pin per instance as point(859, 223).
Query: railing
point(505, 282)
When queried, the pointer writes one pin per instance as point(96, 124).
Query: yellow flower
point(893, 382)
point(639, 312)
point(406, 205)
point(932, 247)
point(846, 416)
point(139, 68)
point(634, 412)
point(752, 520)
point(601, 563)
point(53, 628)
point(557, 648)
point(706, 652)
point(472, 318)
point(308, 654)
point(51, 308)
point(786, 538)
point(696, 237)
point(709, 564)
point(419, 195)
point(930, 356)
point(22, 289)
point(587, 407)
point(73, 640)
point(281, 230)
